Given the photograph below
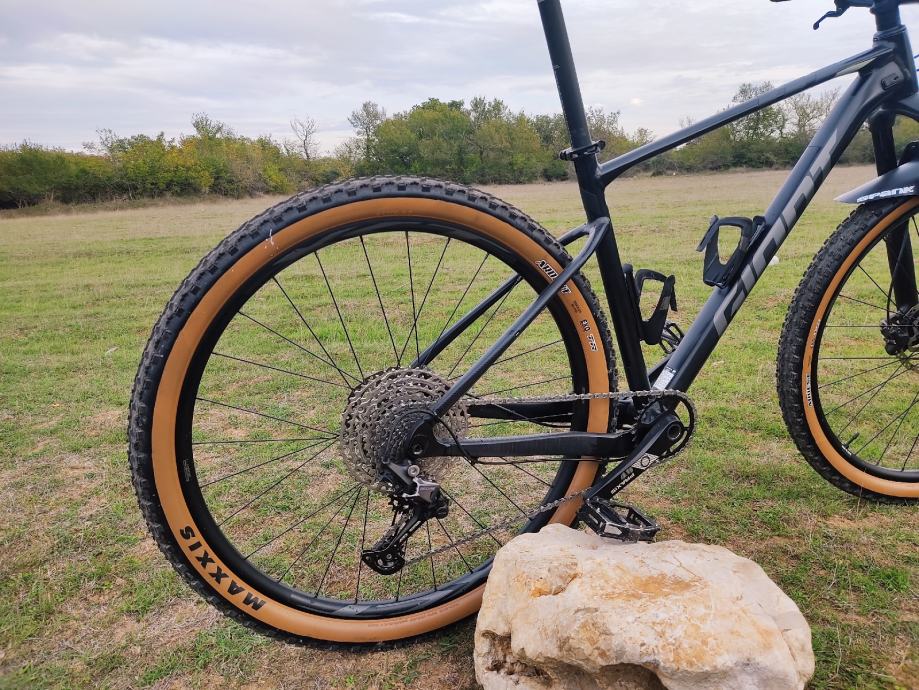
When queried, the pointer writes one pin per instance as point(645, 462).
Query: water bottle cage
point(716, 273)
point(652, 328)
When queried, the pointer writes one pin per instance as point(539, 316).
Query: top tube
point(612, 169)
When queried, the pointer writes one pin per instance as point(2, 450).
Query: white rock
point(565, 609)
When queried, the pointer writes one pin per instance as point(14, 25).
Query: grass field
point(89, 601)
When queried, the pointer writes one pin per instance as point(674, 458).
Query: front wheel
point(848, 364)
point(277, 372)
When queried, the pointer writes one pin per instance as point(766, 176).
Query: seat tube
point(622, 313)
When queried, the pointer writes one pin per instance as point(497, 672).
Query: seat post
point(566, 77)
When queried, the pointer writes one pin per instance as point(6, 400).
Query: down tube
point(859, 100)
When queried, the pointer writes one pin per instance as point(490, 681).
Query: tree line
point(482, 142)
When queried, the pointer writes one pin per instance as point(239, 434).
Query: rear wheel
point(849, 394)
point(311, 315)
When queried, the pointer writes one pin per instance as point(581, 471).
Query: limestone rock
point(565, 609)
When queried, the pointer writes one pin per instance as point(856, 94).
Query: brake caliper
point(901, 331)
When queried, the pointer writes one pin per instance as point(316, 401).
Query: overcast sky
point(68, 68)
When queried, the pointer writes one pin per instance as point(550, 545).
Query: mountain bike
point(358, 396)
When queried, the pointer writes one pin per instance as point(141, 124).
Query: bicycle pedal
point(618, 521)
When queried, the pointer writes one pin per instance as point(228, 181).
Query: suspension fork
point(898, 241)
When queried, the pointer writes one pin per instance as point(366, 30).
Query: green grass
point(89, 601)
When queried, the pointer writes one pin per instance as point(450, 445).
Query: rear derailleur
point(411, 511)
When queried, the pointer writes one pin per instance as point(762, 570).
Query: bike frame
point(885, 86)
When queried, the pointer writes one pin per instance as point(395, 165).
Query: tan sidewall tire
point(867, 481)
point(233, 588)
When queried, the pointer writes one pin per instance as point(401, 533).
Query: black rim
point(873, 372)
point(355, 498)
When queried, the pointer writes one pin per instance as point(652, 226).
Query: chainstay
point(553, 505)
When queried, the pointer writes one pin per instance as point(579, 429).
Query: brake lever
point(838, 12)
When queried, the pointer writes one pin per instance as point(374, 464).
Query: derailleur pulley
point(387, 555)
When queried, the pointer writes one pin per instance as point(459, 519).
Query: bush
point(482, 142)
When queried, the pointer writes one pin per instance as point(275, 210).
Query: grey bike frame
point(885, 85)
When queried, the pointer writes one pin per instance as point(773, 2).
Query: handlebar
point(886, 12)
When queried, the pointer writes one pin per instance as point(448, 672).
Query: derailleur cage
point(387, 555)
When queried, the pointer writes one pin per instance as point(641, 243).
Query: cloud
point(68, 68)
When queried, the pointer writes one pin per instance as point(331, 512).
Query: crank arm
point(658, 439)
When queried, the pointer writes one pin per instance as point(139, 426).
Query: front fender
point(902, 181)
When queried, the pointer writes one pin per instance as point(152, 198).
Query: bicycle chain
point(552, 505)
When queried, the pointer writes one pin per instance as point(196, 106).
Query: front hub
point(901, 331)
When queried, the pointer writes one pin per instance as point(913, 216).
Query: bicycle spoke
point(261, 464)
point(282, 371)
point(886, 427)
point(257, 440)
point(518, 466)
point(909, 454)
point(520, 416)
point(897, 372)
point(897, 430)
point(341, 319)
point(535, 420)
point(423, 302)
point(338, 542)
point(527, 385)
point(826, 359)
point(882, 290)
point(867, 304)
point(411, 285)
point(868, 325)
point(471, 516)
point(528, 352)
point(360, 561)
point(481, 330)
point(859, 373)
point(462, 297)
point(328, 433)
point(870, 399)
point(312, 332)
point(497, 488)
point(311, 542)
point(299, 522)
point(399, 585)
point(379, 299)
point(273, 486)
point(427, 525)
point(342, 373)
point(453, 544)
